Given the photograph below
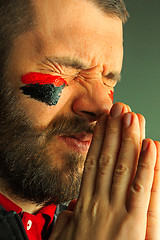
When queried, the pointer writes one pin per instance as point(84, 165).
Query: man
point(60, 62)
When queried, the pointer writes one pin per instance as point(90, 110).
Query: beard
point(27, 171)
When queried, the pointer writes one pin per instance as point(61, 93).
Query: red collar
point(37, 225)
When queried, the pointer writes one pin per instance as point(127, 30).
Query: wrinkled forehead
point(76, 26)
point(53, 15)
point(69, 29)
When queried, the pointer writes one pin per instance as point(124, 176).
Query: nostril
point(89, 114)
point(91, 107)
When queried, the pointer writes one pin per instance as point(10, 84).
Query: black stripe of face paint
point(47, 93)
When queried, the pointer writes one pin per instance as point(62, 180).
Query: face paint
point(111, 95)
point(43, 87)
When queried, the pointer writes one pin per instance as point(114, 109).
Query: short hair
point(17, 16)
point(113, 7)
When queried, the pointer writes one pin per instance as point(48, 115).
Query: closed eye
point(113, 77)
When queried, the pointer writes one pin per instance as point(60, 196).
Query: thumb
point(72, 205)
point(62, 220)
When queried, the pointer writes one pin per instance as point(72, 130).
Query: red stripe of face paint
point(111, 95)
point(41, 78)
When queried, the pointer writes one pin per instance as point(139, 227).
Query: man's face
point(73, 40)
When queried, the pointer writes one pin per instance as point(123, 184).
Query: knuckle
point(112, 130)
point(89, 164)
point(144, 165)
point(120, 170)
point(129, 139)
point(98, 206)
point(94, 208)
point(104, 161)
point(137, 188)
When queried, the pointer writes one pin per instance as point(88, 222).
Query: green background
point(140, 84)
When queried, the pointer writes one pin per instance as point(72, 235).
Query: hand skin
point(120, 192)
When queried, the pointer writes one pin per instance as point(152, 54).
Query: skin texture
point(92, 52)
point(116, 205)
point(43, 87)
point(114, 197)
point(100, 57)
point(51, 89)
point(106, 209)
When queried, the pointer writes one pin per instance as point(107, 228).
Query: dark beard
point(26, 170)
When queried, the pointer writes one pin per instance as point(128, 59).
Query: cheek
point(43, 87)
point(47, 93)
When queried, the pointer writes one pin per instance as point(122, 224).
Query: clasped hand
point(119, 197)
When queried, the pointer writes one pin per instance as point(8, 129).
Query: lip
point(78, 142)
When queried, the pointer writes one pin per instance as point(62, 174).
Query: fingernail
point(127, 120)
point(145, 144)
point(116, 110)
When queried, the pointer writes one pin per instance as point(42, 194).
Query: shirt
point(38, 226)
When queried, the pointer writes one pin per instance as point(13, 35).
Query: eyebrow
point(68, 62)
point(77, 64)
point(114, 76)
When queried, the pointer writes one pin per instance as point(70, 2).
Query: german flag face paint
point(43, 87)
point(111, 95)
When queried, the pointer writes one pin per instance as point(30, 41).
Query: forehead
point(78, 29)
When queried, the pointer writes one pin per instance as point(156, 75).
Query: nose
point(92, 102)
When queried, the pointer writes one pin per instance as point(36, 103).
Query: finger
point(110, 150)
point(127, 160)
point(72, 205)
point(90, 166)
point(142, 127)
point(153, 220)
point(140, 190)
point(63, 219)
point(128, 108)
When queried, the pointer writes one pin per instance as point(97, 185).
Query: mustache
point(68, 125)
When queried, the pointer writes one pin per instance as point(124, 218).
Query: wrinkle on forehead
point(88, 52)
point(60, 17)
point(80, 30)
